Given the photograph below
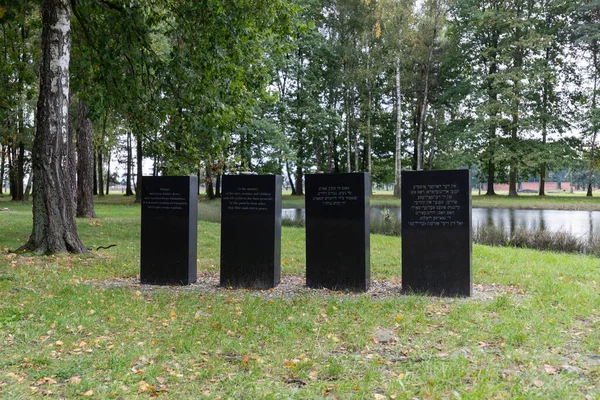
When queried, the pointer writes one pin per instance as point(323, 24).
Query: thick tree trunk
point(85, 164)
point(140, 172)
point(398, 153)
point(100, 171)
point(54, 228)
point(128, 191)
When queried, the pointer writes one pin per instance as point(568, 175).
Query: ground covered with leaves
point(83, 326)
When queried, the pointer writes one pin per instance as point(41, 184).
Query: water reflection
point(578, 223)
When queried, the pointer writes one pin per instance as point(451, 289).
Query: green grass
point(62, 336)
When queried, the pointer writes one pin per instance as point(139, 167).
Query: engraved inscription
point(247, 199)
point(435, 206)
point(335, 195)
point(165, 199)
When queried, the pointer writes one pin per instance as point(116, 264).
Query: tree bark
point(108, 174)
point(100, 171)
point(289, 175)
point(20, 170)
point(85, 164)
point(299, 177)
point(218, 186)
point(140, 172)
point(95, 174)
point(492, 99)
point(209, 185)
point(54, 227)
point(12, 171)
point(595, 130)
point(398, 154)
point(2, 162)
point(348, 155)
point(128, 191)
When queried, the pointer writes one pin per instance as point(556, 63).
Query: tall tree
point(54, 227)
point(85, 167)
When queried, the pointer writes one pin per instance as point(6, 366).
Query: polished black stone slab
point(169, 230)
point(436, 232)
point(337, 231)
point(251, 231)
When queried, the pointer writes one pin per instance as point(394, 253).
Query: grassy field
point(82, 327)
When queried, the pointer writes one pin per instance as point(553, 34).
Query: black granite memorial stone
point(169, 230)
point(337, 231)
point(436, 232)
point(251, 231)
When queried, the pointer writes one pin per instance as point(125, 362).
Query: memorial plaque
point(169, 230)
point(436, 232)
point(251, 231)
point(337, 231)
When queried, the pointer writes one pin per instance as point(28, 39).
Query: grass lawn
point(81, 327)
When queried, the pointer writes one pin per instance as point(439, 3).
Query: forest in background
point(507, 88)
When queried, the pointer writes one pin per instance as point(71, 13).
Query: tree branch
point(112, 5)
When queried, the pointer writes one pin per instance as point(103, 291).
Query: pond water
point(579, 223)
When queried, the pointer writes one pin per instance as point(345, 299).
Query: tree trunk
point(85, 164)
point(95, 174)
point(545, 90)
point(299, 176)
point(517, 65)
point(218, 186)
point(20, 171)
point(420, 134)
point(12, 171)
point(595, 130)
point(398, 154)
point(139, 157)
point(128, 191)
point(54, 228)
point(21, 155)
point(492, 99)
point(209, 185)
point(289, 175)
point(2, 162)
point(356, 157)
point(348, 156)
point(100, 171)
point(108, 174)
point(199, 175)
point(27, 190)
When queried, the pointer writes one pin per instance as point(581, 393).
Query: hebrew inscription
point(335, 195)
point(434, 205)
